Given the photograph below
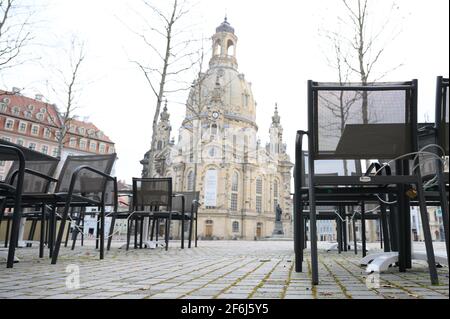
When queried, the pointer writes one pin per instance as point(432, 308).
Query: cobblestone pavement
point(215, 269)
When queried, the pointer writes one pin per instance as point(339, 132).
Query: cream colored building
point(219, 154)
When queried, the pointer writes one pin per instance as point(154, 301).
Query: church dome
point(225, 27)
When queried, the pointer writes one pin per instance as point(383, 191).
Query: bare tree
point(67, 90)
point(174, 55)
point(15, 31)
point(365, 47)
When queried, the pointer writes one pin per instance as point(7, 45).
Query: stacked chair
point(363, 122)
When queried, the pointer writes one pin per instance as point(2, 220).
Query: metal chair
point(185, 206)
point(365, 122)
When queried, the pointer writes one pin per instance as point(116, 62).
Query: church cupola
point(224, 46)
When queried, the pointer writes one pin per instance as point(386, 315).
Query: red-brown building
point(34, 123)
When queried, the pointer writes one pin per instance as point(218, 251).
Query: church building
point(218, 153)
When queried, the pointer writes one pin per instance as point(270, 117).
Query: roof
point(30, 109)
point(225, 27)
point(90, 131)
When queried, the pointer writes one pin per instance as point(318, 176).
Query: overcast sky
point(278, 50)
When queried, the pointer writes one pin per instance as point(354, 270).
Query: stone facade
point(218, 152)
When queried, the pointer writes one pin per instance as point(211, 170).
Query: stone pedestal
point(278, 229)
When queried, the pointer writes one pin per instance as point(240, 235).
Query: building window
point(259, 195)
point(233, 203)
point(81, 130)
point(5, 138)
point(35, 130)
point(235, 227)
point(212, 152)
point(22, 127)
point(27, 114)
point(234, 192)
point(47, 133)
point(32, 146)
point(55, 152)
point(9, 124)
point(93, 146)
point(234, 145)
point(2, 107)
point(72, 142)
point(190, 181)
point(214, 129)
point(83, 144)
point(20, 142)
point(16, 110)
point(44, 149)
point(102, 148)
point(40, 116)
point(275, 194)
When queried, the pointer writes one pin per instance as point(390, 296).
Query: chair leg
point(196, 230)
point(111, 232)
point(152, 232)
point(384, 228)
point(141, 232)
point(51, 232)
point(191, 223)
point(298, 235)
point(32, 230)
point(157, 230)
point(363, 229)
point(427, 233)
point(102, 232)
point(355, 241)
point(135, 222)
point(128, 233)
point(68, 228)
point(444, 207)
point(61, 231)
point(76, 230)
point(168, 222)
point(42, 233)
point(182, 233)
point(8, 226)
point(97, 232)
point(16, 219)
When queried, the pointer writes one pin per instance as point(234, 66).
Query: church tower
point(276, 145)
point(224, 46)
point(163, 130)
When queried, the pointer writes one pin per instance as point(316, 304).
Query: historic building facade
point(218, 152)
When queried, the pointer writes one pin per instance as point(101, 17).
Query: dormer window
point(31, 107)
point(43, 110)
point(16, 111)
point(2, 107)
point(40, 116)
point(27, 114)
point(6, 100)
point(81, 130)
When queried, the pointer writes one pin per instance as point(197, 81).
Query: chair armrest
point(35, 173)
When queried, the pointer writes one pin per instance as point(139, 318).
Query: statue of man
point(279, 211)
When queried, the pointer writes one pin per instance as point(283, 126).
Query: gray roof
point(225, 27)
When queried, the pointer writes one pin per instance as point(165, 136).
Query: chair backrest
point(37, 162)
point(355, 121)
point(152, 193)
point(189, 198)
point(88, 182)
point(442, 113)
point(32, 183)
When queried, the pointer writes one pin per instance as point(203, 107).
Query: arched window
point(235, 227)
point(234, 192)
point(217, 48)
point(190, 181)
point(230, 48)
point(213, 129)
point(259, 188)
point(159, 145)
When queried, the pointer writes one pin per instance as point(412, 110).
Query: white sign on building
point(211, 188)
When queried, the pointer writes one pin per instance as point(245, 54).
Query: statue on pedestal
point(278, 229)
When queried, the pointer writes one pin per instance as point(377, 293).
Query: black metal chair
point(185, 206)
point(81, 183)
point(14, 193)
point(378, 120)
point(38, 178)
point(152, 198)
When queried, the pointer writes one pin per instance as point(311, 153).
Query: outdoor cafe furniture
point(364, 122)
point(39, 169)
point(81, 183)
point(8, 191)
